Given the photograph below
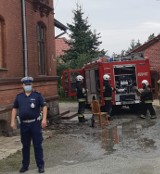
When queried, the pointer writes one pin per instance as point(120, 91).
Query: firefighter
point(81, 97)
point(146, 100)
point(107, 95)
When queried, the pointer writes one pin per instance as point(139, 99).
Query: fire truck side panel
point(143, 72)
point(92, 78)
point(69, 81)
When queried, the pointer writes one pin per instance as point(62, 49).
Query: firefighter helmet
point(79, 78)
point(106, 77)
point(145, 82)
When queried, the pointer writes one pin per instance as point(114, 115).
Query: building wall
point(13, 70)
point(153, 54)
point(13, 55)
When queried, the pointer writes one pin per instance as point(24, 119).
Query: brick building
point(151, 50)
point(27, 47)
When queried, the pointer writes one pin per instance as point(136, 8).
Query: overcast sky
point(118, 21)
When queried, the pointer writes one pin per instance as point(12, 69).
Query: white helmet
point(79, 78)
point(145, 82)
point(106, 77)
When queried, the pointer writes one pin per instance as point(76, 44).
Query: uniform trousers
point(108, 107)
point(147, 106)
point(81, 107)
point(31, 131)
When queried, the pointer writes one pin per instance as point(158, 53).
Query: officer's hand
point(13, 125)
point(44, 123)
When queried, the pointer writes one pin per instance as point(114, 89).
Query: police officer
point(146, 100)
point(30, 104)
point(107, 95)
point(81, 96)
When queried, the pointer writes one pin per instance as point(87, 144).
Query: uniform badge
point(32, 105)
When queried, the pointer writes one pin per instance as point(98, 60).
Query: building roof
point(61, 46)
point(147, 44)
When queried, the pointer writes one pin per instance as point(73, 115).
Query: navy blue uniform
point(29, 110)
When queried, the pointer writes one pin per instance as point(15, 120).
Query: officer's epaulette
point(20, 93)
point(37, 92)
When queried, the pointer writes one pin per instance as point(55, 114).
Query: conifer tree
point(83, 42)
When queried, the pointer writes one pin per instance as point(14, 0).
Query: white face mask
point(28, 88)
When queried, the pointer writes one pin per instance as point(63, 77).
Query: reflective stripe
point(29, 121)
point(81, 100)
point(148, 101)
point(107, 98)
point(80, 115)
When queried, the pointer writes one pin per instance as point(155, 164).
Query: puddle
point(127, 136)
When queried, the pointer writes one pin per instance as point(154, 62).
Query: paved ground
point(121, 164)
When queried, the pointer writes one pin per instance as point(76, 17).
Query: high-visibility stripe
point(148, 101)
point(81, 100)
point(80, 115)
point(107, 98)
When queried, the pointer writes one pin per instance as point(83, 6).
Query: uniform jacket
point(81, 92)
point(29, 106)
point(107, 89)
point(146, 94)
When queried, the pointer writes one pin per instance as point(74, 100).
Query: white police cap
point(27, 79)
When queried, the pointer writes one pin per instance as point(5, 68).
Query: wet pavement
point(129, 145)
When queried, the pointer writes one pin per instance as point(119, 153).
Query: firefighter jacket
point(146, 95)
point(81, 92)
point(107, 91)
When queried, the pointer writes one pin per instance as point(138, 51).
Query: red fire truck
point(126, 75)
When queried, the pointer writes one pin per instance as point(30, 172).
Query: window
point(1, 43)
point(41, 48)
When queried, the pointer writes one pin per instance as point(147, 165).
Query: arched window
point(1, 43)
point(41, 41)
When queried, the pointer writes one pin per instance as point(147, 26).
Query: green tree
point(133, 45)
point(83, 42)
point(150, 37)
point(60, 66)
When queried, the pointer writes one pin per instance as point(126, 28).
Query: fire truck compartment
point(125, 83)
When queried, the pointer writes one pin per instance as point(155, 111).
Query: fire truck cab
point(126, 77)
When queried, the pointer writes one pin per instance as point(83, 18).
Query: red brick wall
point(11, 12)
point(153, 54)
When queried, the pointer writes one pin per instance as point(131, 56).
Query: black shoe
point(142, 116)
point(41, 170)
point(153, 117)
point(22, 170)
point(82, 120)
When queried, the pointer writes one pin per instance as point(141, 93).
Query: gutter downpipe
point(25, 49)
